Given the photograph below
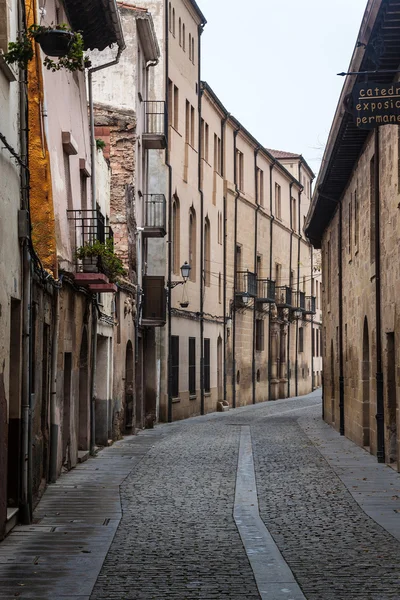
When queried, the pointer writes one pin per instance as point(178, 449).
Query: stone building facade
point(354, 220)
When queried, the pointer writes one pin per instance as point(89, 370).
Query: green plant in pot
point(100, 256)
point(57, 41)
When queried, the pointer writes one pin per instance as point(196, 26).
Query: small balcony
point(154, 302)
point(246, 286)
point(154, 132)
point(87, 228)
point(284, 297)
point(155, 216)
point(310, 306)
point(266, 291)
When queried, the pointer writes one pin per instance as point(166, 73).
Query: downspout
point(313, 345)
point(202, 271)
point(298, 290)
point(169, 167)
point(290, 281)
point(26, 418)
point(253, 369)
point(380, 408)
point(271, 232)
point(341, 362)
point(225, 216)
point(94, 207)
point(237, 194)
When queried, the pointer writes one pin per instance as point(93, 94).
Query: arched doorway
point(365, 378)
point(84, 405)
point(129, 383)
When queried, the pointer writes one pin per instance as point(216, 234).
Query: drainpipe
point(223, 125)
point(169, 167)
point(341, 361)
point(237, 194)
point(296, 374)
point(290, 278)
point(271, 232)
point(253, 375)
point(94, 207)
point(380, 409)
point(313, 346)
point(202, 272)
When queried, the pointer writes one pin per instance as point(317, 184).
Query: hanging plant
point(107, 261)
point(57, 41)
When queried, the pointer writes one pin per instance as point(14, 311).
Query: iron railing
point(311, 305)
point(155, 211)
point(88, 227)
point(266, 290)
point(154, 117)
point(284, 296)
point(246, 284)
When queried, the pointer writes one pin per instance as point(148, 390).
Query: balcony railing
point(154, 136)
point(284, 297)
point(155, 215)
point(311, 305)
point(266, 290)
point(246, 284)
point(301, 301)
point(88, 226)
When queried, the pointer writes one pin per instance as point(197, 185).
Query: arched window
point(173, 22)
point(180, 31)
point(190, 46)
point(184, 37)
point(207, 253)
point(193, 50)
point(192, 243)
point(175, 235)
point(170, 17)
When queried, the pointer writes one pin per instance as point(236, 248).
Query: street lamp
point(185, 271)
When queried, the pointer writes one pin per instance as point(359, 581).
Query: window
point(259, 266)
point(192, 126)
point(260, 185)
point(170, 101)
point(239, 170)
point(350, 223)
point(372, 208)
point(84, 197)
point(278, 274)
point(175, 235)
point(356, 220)
point(170, 17)
point(220, 228)
point(217, 154)
point(193, 50)
point(207, 253)
point(206, 141)
point(301, 339)
point(192, 366)
point(184, 37)
point(207, 364)
point(329, 273)
point(238, 258)
point(278, 207)
point(180, 31)
point(259, 335)
point(187, 123)
point(67, 175)
point(192, 243)
point(173, 22)
point(219, 288)
point(175, 365)
point(190, 46)
point(176, 107)
point(294, 214)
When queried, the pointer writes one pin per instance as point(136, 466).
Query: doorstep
point(12, 519)
point(83, 455)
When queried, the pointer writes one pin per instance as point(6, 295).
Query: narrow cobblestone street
point(190, 526)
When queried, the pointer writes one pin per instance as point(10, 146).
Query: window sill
point(207, 394)
point(193, 397)
point(176, 400)
point(176, 131)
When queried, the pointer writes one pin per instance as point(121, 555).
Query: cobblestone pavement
point(177, 538)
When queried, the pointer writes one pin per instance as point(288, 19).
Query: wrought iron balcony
point(266, 291)
point(246, 284)
point(284, 297)
point(87, 228)
point(311, 305)
point(155, 215)
point(154, 133)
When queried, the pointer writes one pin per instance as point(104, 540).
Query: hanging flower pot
point(184, 304)
point(55, 42)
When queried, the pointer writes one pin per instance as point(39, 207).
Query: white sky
point(273, 64)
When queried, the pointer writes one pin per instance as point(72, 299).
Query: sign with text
point(376, 104)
